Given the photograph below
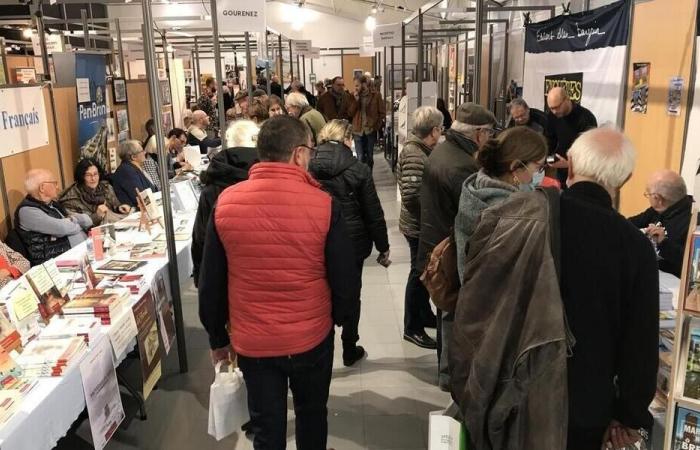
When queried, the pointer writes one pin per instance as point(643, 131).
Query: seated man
point(45, 227)
point(666, 222)
point(522, 115)
point(196, 134)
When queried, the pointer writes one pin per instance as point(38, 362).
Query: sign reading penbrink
point(22, 120)
point(241, 16)
point(590, 45)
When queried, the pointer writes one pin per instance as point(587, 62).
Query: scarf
point(93, 197)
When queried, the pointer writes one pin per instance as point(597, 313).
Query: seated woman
point(93, 196)
point(130, 174)
point(12, 264)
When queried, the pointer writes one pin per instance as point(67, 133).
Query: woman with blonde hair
point(351, 184)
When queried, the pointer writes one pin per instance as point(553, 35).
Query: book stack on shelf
point(51, 357)
point(104, 304)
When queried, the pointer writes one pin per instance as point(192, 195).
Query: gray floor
point(381, 403)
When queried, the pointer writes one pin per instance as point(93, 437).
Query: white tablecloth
point(48, 411)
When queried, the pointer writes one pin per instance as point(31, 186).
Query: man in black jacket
point(351, 184)
point(445, 171)
point(666, 222)
point(566, 120)
point(521, 115)
point(227, 168)
point(610, 289)
point(275, 86)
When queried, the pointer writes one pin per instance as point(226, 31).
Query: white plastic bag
point(445, 433)
point(228, 402)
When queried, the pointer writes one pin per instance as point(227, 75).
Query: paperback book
point(686, 434)
point(691, 385)
point(120, 266)
point(148, 342)
point(692, 297)
point(50, 298)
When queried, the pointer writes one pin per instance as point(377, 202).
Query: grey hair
point(519, 102)
point(128, 149)
point(604, 154)
point(33, 180)
point(297, 99)
point(671, 187)
point(242, 133)
point(425, 119)
point(296, 84)
point(464, 128)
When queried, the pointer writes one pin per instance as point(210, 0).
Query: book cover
point(691, 385)
point(50, 299)
point(686, 434)
point(103, 304)
point(148, 251)
point(148, 342)
point(692, 297)
point(9, 336)
point(117, 265)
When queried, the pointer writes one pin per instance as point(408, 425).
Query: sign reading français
point(241, 16)
point(387, 35)
point(23, 123)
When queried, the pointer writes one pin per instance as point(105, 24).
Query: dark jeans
point(350, 335)
point(585, 438)
point(364, 146)
point(308, 375)
point(417, 298)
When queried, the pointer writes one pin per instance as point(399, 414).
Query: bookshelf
point(683, 401)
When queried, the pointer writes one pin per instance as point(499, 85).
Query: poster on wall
point(167, 121)
point(25, 75)
point(640, 87)
point(23, 124)
point(92, 107)
point(165, 96)
point(675, 92)
point(592, 43)
point(122, 120)
point(572, 83)
point(690, 169)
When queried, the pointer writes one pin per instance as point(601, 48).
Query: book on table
point(51, 357)
point(72, 326)
point(104, 304)
point(120, 266)
point(148, 251)
point(50, 298)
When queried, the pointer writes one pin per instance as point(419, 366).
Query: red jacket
point(273, 228)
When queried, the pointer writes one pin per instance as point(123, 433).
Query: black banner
point(607, 26)
point(571, 82)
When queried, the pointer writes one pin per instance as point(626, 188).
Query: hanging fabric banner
point(90, 80)
point(23, 123)
point(690, 170)
point(585, 53)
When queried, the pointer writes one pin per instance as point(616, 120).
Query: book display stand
point(145, 219)
point(682, 430)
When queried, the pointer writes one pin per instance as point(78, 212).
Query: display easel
point(145, 219)
point(676, 396)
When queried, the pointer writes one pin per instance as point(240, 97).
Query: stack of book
point(51, 357)
point(72, 326)
point(104, 304)
point(134, 282)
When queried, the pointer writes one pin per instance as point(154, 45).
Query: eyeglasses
point(650, 194)
point(540, 169)
point(312, 150)
point(490, 131)
point(55, 183)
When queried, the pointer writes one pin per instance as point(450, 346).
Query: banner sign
point(387, 35)
point(315, 53)
point(23, 123)
point(241, 16)
point(690, 170)
point(301, 48)
point(590, 45)
point(54, 44)
point(90, 78)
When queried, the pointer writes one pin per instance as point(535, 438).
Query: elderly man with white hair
point(609, 287)
point(227, 168)
point(298, 106)
point(43, 225)
point(667, 220)
point(197, 135)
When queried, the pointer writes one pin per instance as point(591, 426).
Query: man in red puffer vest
point(278, 269)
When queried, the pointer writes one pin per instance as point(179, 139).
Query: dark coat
point(448, 166)
point(676, 221)
point(327, 106)
point(351, 183)
point(276, 89)
point(41, 247)
point(409, 174)
point(537, 122)
point(507, 357)
point(610, 289)
point(126, 179)
point(227, 168)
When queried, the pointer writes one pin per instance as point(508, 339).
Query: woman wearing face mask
point(514, 161)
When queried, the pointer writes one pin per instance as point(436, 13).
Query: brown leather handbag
point(440, 276)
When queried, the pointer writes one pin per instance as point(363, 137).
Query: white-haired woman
point(130, 174)
point(227, 168)
point(298, 106)
point(351, 183)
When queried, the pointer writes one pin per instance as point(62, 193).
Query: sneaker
point(351, 356)
point(430, 321)
point(421, 340)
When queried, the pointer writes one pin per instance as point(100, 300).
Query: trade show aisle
point(381, 403)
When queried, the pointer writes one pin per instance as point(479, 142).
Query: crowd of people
point(551, 337)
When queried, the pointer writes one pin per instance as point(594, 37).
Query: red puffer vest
point(273, 228)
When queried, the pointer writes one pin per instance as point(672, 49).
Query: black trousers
point(350, 334)
point(309, 377)
point(417, 298)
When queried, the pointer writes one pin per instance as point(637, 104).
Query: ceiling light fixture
point(27, 33)
point(370, 23)
point(374, 10)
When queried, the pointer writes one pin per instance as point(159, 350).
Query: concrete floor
point(381, 403)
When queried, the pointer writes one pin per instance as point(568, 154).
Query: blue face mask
point(537, 179)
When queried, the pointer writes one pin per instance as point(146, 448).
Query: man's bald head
point(558, 102)
point(41, 184)
point(602, 155)
point(199, 118)
point(665, 188)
